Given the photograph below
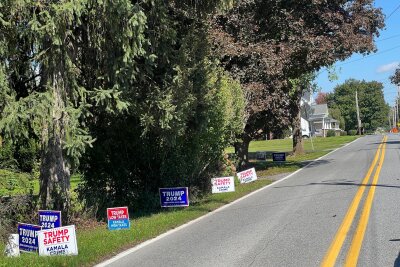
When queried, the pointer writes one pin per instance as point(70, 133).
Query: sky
point(378, 66)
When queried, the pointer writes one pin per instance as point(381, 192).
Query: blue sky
point(377, 66)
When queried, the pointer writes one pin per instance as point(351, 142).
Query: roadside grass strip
point(337, 243)
point(98, 244)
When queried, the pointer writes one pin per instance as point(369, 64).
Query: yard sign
point(223, 184)
point(174, 197)
point(58, 241)
point(118, 218)
point(49, 219)
point(247, 176)
point(28, 237)
point(279, 156)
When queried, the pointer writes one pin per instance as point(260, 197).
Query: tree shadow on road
point(397, 261)
point(387, 142)
point(264, 165)
point(343, 183)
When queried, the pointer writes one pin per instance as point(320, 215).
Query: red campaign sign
point(245, 174)
point(222, 181)
point(56, 236)
point(117, 213)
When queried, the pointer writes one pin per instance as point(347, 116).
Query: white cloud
point(388, 67)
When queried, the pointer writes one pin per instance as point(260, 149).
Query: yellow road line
point(337, 243)
point(354, 251)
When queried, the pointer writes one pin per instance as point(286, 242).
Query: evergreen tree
point(46, 85)
point(77, 73)
point(186, 111)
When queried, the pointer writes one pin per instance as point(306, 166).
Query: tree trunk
point(298, 148)
point(242, 151)
point(55, 169)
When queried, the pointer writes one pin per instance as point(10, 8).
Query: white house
point(315, 119)
point(321, 122)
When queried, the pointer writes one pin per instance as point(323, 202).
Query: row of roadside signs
point(50, 238)
point(227, 184)
point(118, 218)
point(276, 156)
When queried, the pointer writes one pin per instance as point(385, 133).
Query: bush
point(330, 133)
point(16, 209)
point(21, 155)
point(7, 156)
point(343, 133)
point(164, 157)
point(352, 132)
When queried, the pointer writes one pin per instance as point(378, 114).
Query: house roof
point(319, 109)
point(327, 119)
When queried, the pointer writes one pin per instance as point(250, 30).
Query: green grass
point(285, 145)
point(14, 183)
point(97, 244)
point(314, 150)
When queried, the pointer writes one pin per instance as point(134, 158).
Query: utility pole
point(397, 113)
point(397, 106)
point(358, 115)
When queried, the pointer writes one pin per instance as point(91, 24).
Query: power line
point(393, 12)
point(387, 38)
point(368, 56)
point(359, 59)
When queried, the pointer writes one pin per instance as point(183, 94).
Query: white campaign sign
point(58, 241)
point(223, 184)
point(247, 176)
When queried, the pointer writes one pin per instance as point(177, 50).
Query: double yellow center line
point(355, 247)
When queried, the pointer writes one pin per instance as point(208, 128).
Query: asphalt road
point(295, 221)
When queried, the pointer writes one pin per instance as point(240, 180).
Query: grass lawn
point(314, 148)
point(97, 243)
point(285, 145)
point(14, 183)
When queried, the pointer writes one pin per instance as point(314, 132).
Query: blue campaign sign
point(174, 197)
point(28, 237)
point(49, 219)
point(279, 156)
point(118, 224)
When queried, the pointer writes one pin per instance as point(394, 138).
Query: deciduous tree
point(373, 108)
point(267, 43)
point(321, 98)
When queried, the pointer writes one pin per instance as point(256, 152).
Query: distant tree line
point(373, 108)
